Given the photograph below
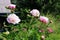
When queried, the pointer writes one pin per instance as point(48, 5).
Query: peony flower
point(11, 6)
point(12, 18)
point(41, 30)
point(35, 12)
point(42, 37)
point(50, 30)
point(44, 19)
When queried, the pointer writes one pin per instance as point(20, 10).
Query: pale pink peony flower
point(12, 18)
point(50, 30)
point(35, 12)
point(11, 6)
point(44, 19)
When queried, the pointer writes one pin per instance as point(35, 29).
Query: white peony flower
point(14, 19)
point(35, 12)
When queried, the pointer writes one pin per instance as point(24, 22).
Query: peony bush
point(34, 16)
point(34, 22)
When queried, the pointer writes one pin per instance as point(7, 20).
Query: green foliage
point(42, 5)
point(27, 31)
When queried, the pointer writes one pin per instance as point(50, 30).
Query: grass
point(27, 31)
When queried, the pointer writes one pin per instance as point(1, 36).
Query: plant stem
point(31, 20)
